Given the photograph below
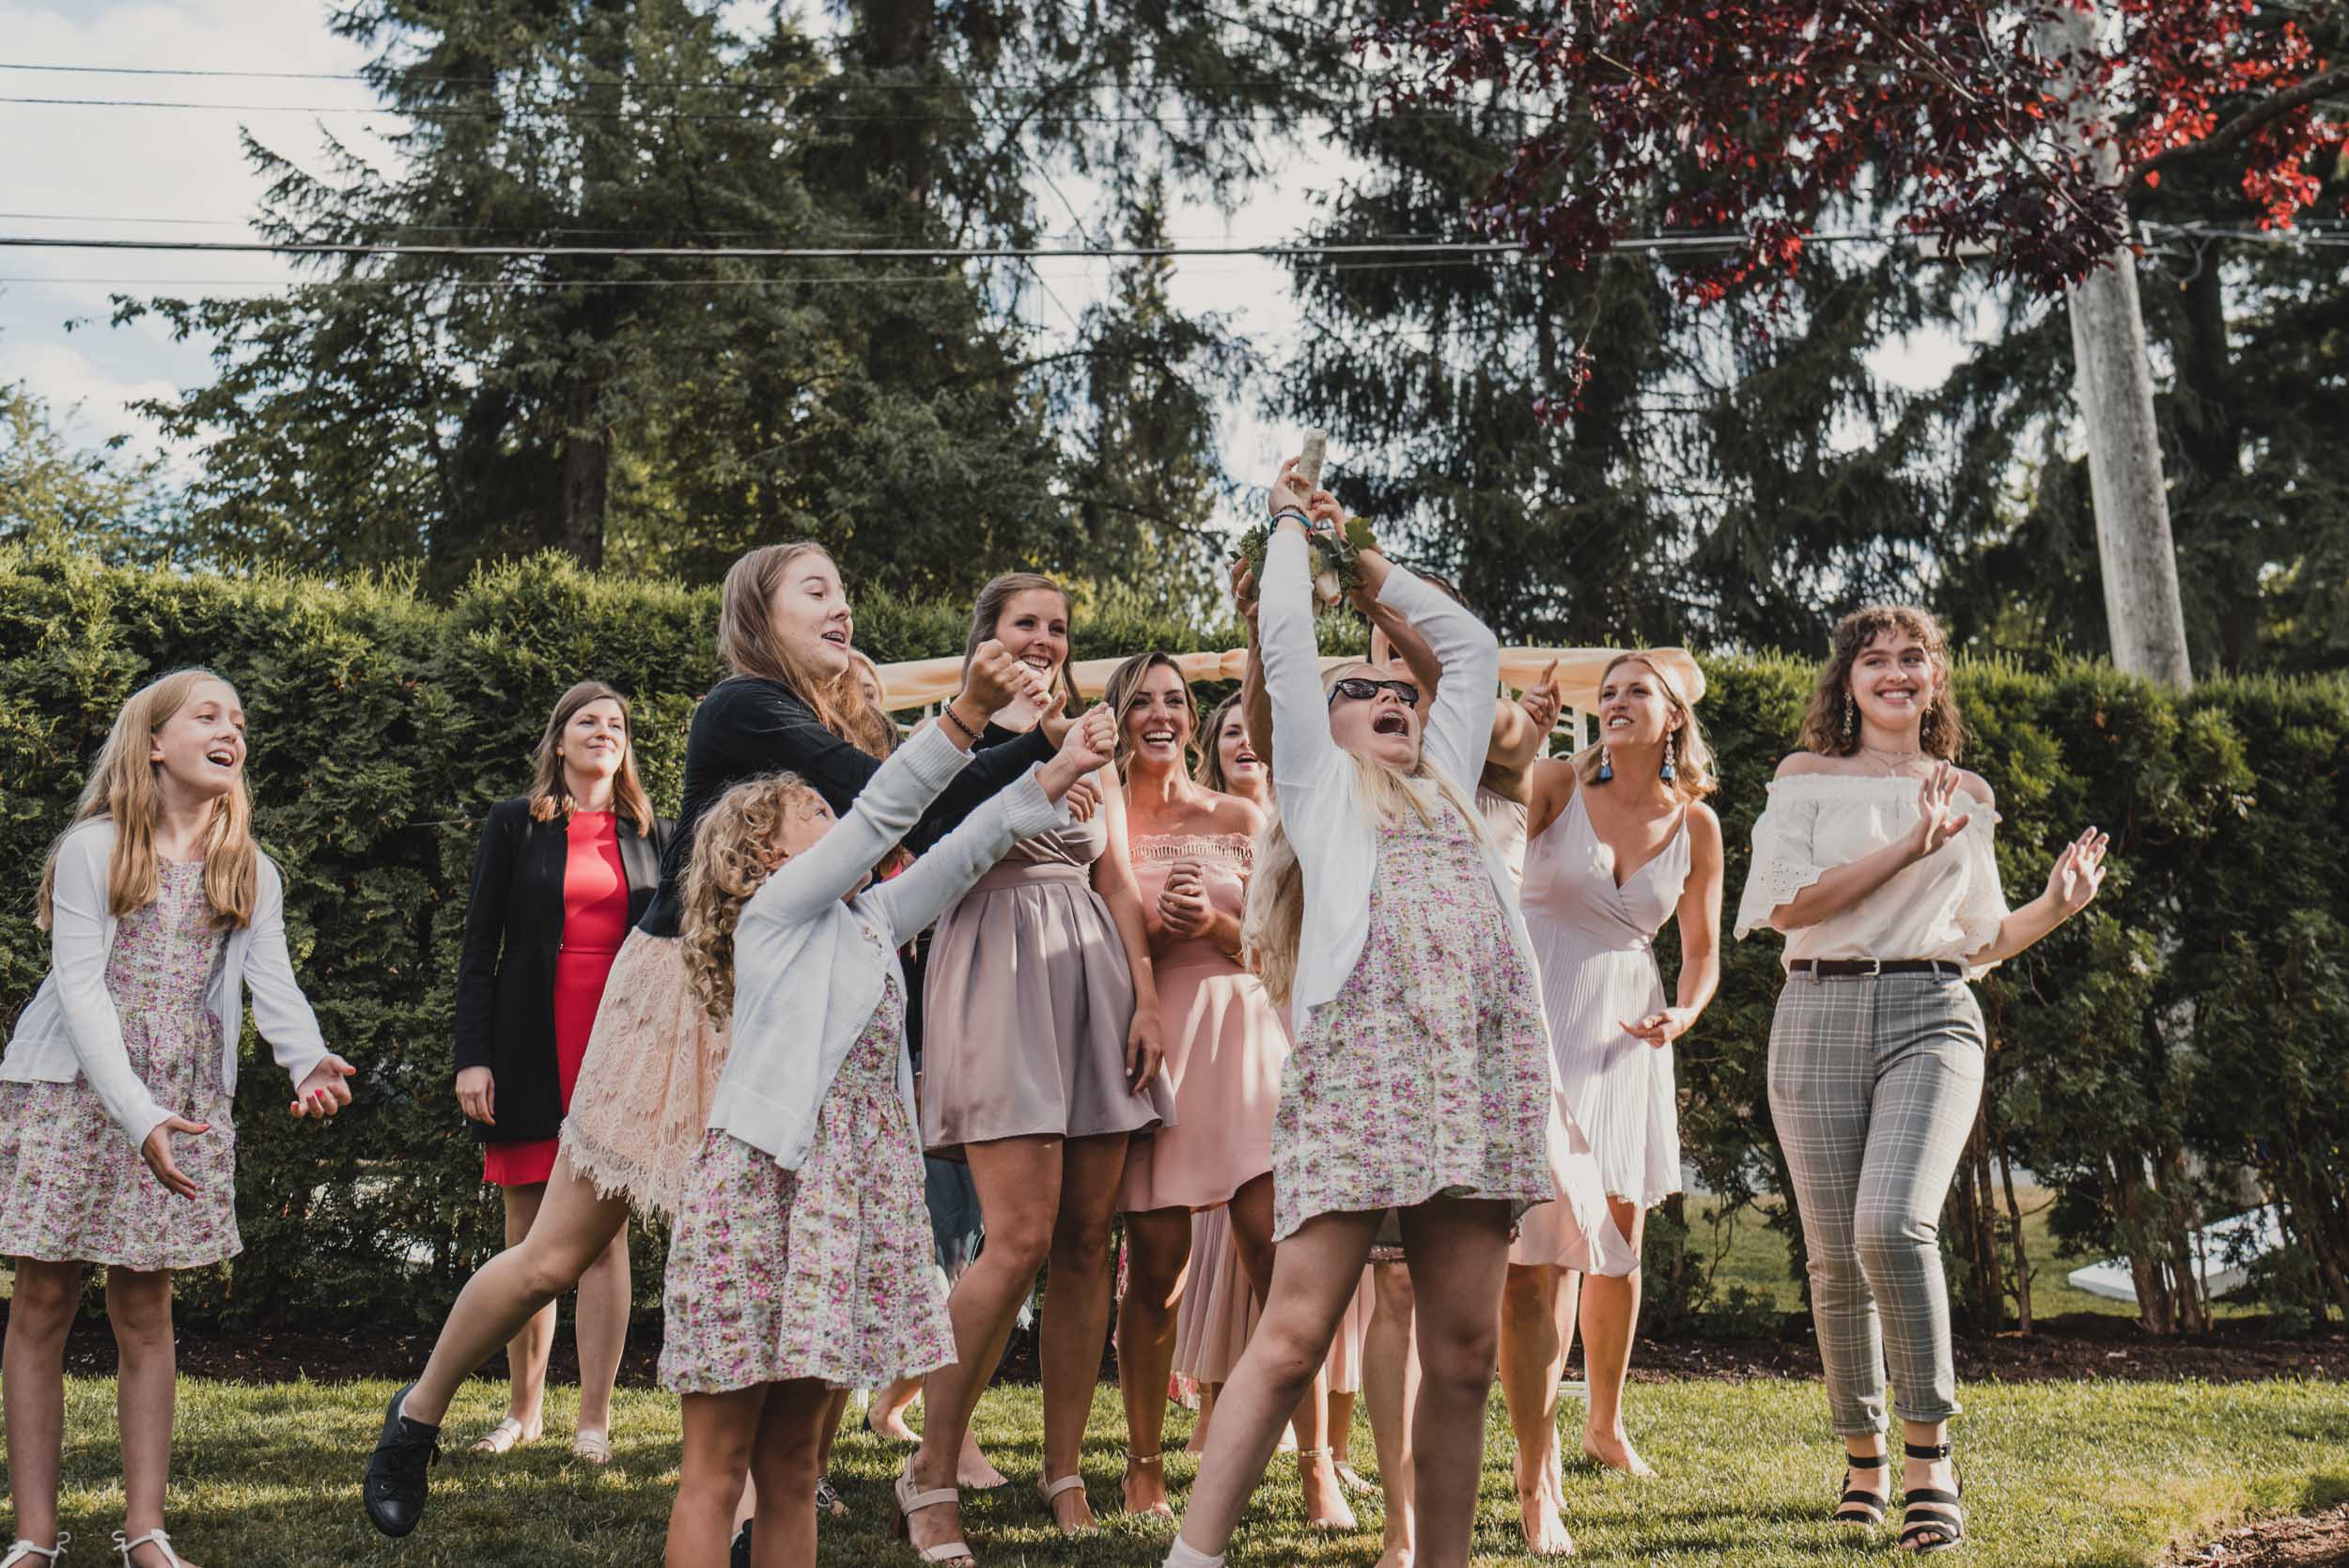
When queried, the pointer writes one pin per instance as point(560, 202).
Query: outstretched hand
point(323, 1091)
point(2078, 871)
point(1541, 701)
point(1938, 817)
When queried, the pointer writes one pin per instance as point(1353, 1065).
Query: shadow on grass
point(2326, 1489)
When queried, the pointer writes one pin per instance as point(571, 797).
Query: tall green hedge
point(2194, 1028)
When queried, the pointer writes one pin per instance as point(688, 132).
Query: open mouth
point(1619, 721)
point(1158, 737)
point(1896, 693)
point(1390, 722)
point(222, 756)
point(1246, 759)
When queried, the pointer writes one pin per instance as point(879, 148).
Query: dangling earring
point(1667, 773)
point(1851, 720)
point(1606, 766)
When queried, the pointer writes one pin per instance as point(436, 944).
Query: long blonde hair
point(1831, 727)
point(732, 845)
point(746, 640)
point(1691, 754)
point(122, 788)
point(870, 729)
point(549, 796)
point(1124, 693)
point(1273, 919)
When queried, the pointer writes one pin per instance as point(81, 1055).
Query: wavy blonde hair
point(122, 788)
point(1124, 693)
point(732, 846)
point(1831, 726)
point(1273, 919)
point(548, 797)
point(1691, 754)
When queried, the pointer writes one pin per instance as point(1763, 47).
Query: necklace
point(1891, 762)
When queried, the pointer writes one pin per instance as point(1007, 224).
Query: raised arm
point(883, 811)
point(910, 901)
point(1303, 748)
point(1459, 721)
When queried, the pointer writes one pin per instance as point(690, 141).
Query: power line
point(745, 84)
point(573, 112)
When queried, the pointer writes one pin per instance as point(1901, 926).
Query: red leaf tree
point(1762, 116)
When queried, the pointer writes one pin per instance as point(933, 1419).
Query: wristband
point(955, 718)
point(1298, 513)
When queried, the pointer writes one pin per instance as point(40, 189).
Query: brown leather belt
point(1868, 968)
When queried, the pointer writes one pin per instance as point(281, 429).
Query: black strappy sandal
point(1930, 1520)
point(1855, 1507)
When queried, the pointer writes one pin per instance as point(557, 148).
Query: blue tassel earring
point(1667, 773)
point(1606, 766)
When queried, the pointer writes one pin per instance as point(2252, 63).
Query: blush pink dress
point(1224, 1044)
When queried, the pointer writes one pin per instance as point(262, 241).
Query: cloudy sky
point(115, 171)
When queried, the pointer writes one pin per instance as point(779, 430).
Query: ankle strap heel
point(1858, 1506)
point(155, 1538)
point(22, 1551)
point(1931, 1519)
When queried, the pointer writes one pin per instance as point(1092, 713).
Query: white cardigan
point(807, 980)
point(70, 1025)
point(1320, 792)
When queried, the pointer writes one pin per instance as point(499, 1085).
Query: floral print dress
point(824, 1272)
point(1428, 1076)
point(73, 1189)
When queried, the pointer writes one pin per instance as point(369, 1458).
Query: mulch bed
point(2078, 1346)
point(2298, 1540)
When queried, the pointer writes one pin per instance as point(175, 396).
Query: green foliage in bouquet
point(1335, 571)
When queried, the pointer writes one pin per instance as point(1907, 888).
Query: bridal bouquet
point(1335, 574)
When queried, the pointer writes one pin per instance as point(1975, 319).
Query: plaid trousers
point(1873, 1085)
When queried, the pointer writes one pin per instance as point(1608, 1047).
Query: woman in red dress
point(562, 875)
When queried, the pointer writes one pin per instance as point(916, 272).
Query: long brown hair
point(550, 797)
point(1831, 727)
point(731, 847)
point(989, 612)
point(871, 730)
point(1209, 772)
point(1124, 693)
point(1691, 756)
point(122, 788)
point(746, 632)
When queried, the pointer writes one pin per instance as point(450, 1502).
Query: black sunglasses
point(1360, 689)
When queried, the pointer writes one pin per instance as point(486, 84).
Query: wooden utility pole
point(2143, 613)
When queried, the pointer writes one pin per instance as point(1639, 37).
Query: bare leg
point(835, 1406)
point(1339, 1425)
point(1076, 1311)
point(1610, 1315)
point(1018, 1181)
point(720, 1430)
point(138, 1305)
point(1920, 1473)
point(885, 1415)
point(1532, 1359)
point(1458, 1252)
point(526, 1352)
point(1326, 1507)
point(1314, 1277)
point(1198, 1443)
point(1390, 1389)
point(600, 1326)
point(572, 1228)
point(1158, 1256)
point(32, 1384)
point(785, 1461)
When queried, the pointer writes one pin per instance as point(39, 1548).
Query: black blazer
point(506, 974)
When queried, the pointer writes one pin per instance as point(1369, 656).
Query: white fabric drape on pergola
point(924, 683)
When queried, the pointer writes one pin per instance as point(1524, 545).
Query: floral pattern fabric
point(73, 1189)
point(822, 1272)
point(1428, 1076)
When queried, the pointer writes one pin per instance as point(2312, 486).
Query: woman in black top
point(643, 1098)
point(561, 875)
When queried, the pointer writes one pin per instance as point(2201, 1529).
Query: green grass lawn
point(1752, 1255)
point(2060, 1474)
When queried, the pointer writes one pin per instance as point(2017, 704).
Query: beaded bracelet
point(955, 718)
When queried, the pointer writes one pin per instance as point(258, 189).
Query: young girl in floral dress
point(116, 1147)
point(799, 1263)
point(1384, 920)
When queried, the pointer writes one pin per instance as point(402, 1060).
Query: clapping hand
point(323, 1091)
point(995, 677)
point(2078, 871)
point(1938, 818)
point(1085, 747)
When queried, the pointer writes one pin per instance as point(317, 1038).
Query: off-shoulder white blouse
point(1947, 905)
